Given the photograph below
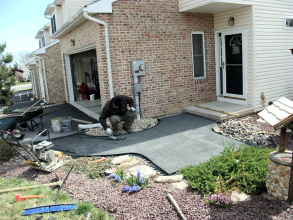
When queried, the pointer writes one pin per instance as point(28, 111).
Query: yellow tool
point(96, 161)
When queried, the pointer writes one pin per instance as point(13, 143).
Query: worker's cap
point(117, 101)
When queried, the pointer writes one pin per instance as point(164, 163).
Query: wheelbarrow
point(10, 123)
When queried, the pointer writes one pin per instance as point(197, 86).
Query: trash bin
point(56, 125)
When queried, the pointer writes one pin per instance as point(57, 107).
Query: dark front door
point(232, 65)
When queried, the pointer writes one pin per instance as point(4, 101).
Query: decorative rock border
point(278, 175)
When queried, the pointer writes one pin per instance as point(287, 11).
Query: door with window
point(233, 64)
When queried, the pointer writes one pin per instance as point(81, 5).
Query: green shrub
point(244, 168)
point(6, 151)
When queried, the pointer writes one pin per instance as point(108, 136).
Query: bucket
point(92, 97)
point(66, 124)
point(56, 125)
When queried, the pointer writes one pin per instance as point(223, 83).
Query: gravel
point(152, 202)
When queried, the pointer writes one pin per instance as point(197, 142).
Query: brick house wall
point(54, 71)
point(153, 31)
point(37, 79)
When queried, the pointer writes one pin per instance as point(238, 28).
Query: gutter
point(35, 93)
point(45, 76)
point(85, 14)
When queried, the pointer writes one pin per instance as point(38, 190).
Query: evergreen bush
point(244, 168)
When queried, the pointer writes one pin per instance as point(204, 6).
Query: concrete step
point(218, 110)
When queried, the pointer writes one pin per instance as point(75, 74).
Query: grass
point(10, 209)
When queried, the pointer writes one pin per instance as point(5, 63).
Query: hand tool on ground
point(58, 183)
point(19, 198)
point(30, 187)
point(53, 207)
point(96, 161)
point(174, 203)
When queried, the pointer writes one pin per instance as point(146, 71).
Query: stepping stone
point(169, 179)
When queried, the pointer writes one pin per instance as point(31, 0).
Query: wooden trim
point(229, 97)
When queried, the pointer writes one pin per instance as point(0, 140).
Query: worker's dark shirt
point(109, 110)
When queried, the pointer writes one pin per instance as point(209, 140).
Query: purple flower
point(136, 187)
point(126, 188)
point(112, 175)
point(141, 180)
point(228, 200)
point(214, 197)
point(138, 174)
point(118, 178)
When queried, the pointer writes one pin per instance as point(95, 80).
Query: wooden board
point(278, 112)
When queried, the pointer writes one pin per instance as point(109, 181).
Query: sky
point(20, 21)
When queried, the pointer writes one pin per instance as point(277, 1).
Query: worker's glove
point(131, 109)
point(109, 131)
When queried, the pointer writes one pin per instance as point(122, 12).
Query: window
point(198, 55)
point(43, 41)
point(40, 43)
point(289, 23)
point(53, 24)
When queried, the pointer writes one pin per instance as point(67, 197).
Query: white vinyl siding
point(75, 5)
point(186, 5)
point(242, 19)
point(273, 60)
point(59, 17)
point(64, 12)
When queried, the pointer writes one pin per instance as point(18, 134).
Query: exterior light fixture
point(72, 42)
point(291, 50)
point(231, 21)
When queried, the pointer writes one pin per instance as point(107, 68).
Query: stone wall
point(278, 176)
point(153, 31)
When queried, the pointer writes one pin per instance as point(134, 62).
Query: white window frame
point(43, 41)
point(285, 25)
point(204, 56)
point(40, 43)
point(53, 24)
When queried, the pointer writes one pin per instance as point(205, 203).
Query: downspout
point(85, 14)
point(45, 76)
point(35, 94)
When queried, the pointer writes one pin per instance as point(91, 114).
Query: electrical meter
point(138, 68)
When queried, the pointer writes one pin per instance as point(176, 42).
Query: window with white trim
point(40, 43)
point(43, 41)
point(53, 24)
point(198, 55)
point(288, 23)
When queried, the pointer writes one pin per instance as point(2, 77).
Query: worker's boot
point(128, 130)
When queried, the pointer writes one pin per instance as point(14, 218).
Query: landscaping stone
point(120, 159)
point(237, 196)
point(180, 185)
point(169, 179)
point(146, 171)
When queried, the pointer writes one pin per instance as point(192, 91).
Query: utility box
point(137, 87)
point(138, 68)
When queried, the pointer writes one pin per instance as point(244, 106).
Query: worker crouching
point(118, 109)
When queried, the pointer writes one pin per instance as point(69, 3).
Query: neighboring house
point(23, 74)
point(194, 51)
